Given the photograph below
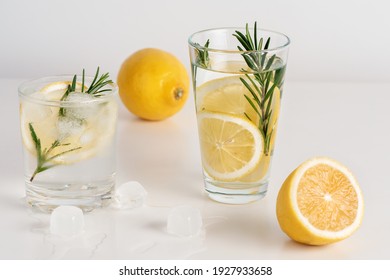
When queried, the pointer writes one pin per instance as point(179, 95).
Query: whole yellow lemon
point(153, 84)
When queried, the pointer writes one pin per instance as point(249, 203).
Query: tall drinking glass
point(238, 76)
point(68, 142)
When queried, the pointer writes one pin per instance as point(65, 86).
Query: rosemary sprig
point(95, 88)
point(98, 83)
point(260, 82)
point(202, 58)
point(43, 156)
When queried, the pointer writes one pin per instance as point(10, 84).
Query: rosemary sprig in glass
point(261, 81)
point(95, 88)
point(202, 58)
point(43, 156)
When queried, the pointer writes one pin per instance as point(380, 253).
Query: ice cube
point(88, 136)
point(83, 107)
point(184, 221)
point(68, 126)
point(67, 221)
point(129, 195)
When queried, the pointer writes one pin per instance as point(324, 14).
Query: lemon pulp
point(231, 146)
point(320, 203)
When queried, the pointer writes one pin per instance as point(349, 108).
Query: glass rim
point(197, 46)
point(41, 82)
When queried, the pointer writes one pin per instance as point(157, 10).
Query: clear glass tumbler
point(68, 142)
point(238, 76)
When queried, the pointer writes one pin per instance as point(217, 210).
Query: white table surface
point(346, 121)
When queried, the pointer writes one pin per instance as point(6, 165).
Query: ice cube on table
point(129, 195)
point(67, 221)
point(184, 221)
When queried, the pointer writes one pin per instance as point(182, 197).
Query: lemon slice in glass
point(227, 95)
point(231, 146)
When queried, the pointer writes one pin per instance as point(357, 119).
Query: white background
point(332, 40)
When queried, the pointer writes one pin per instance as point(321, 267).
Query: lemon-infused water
point(68, 141)
point(238, 97)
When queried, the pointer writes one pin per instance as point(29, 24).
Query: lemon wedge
point(320, 203)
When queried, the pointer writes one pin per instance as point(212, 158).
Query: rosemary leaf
point(73, 87)
point(279, 74)
point(270, 62)
point(253, 105)
point(249, 61)
point(269, 92)
point(83, 81)
point(267, 110)
point(62, 153)
point(94, 79)
point(253, 83)
point(242, 39)
point(266, 46)
point(255, 97)
point(249, 38)
point(255, 35)
point(260, 44)
point(34, 137)
point(246, 115)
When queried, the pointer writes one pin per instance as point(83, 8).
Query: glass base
point(88, 196)
point(236, 193)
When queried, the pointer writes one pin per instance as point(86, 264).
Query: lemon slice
point(231, 146)
point(55, 90)
point(227, 95)
point(320, 203)
point(87, 135)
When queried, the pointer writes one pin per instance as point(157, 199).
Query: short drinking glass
point(68, 142)
point(238, 76)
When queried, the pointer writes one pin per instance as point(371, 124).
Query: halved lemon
point(320, 203)
point(84, 136)
point(231, 146)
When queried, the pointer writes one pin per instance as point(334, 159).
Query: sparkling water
point(68, 145)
